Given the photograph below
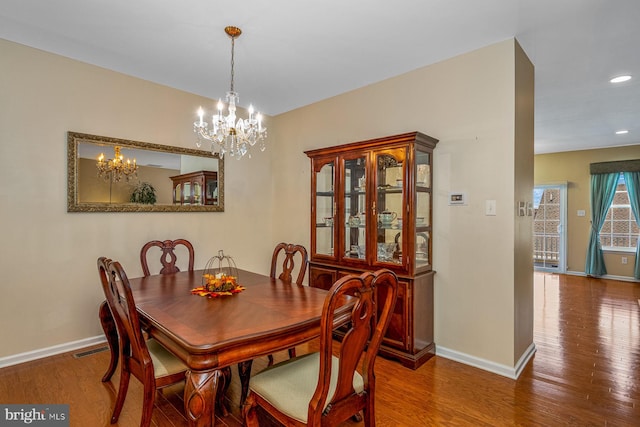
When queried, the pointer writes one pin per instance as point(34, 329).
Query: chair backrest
point(168, 257)
point(289, 252)
point(117, 290)
point(376, 293)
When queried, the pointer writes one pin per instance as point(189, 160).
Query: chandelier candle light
point(115, 169)
point(228, 136)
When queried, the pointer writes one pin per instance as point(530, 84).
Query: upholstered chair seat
point(289, 386)
point(164, 362)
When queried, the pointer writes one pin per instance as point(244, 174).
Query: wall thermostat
point(457, 198)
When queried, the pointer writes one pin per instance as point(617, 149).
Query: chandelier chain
point(233, 45)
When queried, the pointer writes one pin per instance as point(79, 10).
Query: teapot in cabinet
point(387, 217)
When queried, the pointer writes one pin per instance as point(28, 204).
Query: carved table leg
point(110, 331)
point(199, 391)
point(244, 372)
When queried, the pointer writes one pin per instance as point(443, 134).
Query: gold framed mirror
point(107, 174)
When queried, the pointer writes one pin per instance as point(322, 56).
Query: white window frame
point(620, 249)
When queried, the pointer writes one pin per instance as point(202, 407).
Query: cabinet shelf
point(391, 190)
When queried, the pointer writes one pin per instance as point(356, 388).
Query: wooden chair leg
point(369, 420)
point(110, 331)
point(249, 413)
point(223, 386)
point(148, 399)
point(270, 357)
point(292, 352)
point(122, 393)
point(244, 372)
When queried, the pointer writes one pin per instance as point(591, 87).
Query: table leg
point(110, 331)
point(199, 391)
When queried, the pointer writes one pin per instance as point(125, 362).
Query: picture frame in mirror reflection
point(184, 180)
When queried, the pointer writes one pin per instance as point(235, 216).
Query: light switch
point(581, 212)
point(490, 207)
point(522, 209)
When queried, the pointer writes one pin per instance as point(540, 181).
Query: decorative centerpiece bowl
point(220, 277)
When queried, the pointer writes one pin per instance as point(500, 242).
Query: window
point(620, 230)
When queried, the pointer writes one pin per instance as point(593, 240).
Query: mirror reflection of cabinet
point(196, 188)
point(370, 209)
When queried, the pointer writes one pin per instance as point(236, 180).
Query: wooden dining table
point(210, 334)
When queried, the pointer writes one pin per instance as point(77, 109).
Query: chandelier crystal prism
point(228, 134)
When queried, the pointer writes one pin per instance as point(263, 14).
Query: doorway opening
point(549, 219)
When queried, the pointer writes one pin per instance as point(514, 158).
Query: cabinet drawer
point(322, 278)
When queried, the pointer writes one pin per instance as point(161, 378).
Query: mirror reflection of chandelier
point(116, 169)
point(228, 136)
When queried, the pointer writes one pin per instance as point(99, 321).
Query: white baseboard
point(50, 351)
point(512, 372)
point(606, 276)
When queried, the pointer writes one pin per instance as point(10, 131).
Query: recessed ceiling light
point(620, 79)
point(622, 132)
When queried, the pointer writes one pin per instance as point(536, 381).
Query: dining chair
point(287, 254)
point(168, 257)
point(323, 389)
point(168, 260)
point(147, 360)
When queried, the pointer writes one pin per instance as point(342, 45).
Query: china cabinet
point(195, 188)
point(371, 208)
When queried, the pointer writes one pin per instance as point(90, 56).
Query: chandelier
point(115, 169)
point(228, 136)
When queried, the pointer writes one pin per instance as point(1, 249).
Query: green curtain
point(603, 188)
point(632, 179)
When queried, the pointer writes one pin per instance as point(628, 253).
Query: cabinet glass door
point(355, 208)
point(211, 186)
point(390, 205)
point(197, 193)
point(177, 194)
point(325, 209)
point(186, 193)
point(423, 209)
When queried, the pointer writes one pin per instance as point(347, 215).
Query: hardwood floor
point(586, 372)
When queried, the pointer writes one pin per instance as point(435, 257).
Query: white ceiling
point(293, 53)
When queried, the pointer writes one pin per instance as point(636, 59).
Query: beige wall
point(523, 235)
point(49, 285)
point(572, 168)
point(469, 104)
